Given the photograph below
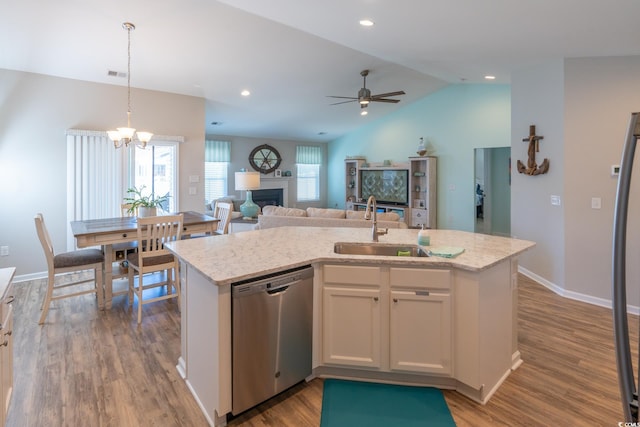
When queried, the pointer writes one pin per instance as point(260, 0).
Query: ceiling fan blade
point(392, 101)
point(343, 102)
point(386, 95)
point(343, 97)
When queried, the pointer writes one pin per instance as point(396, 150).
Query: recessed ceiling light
point(490, 77)
point(366, 23)
point(363, 113)
point(245, 93)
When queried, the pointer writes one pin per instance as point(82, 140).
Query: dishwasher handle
point(278, 289)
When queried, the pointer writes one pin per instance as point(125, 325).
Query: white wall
point(35, 111)
point(241, 147)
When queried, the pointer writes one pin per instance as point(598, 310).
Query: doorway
point(492, 191)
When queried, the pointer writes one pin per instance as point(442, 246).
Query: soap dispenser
point(423, 237)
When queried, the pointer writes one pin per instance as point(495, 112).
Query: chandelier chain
point(129, 76)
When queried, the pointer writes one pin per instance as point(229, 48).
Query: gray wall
point(35, 111)
point(241, 147)
point(581, 107)
point(537, 98)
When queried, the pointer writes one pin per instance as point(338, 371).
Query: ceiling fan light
point(364, 112)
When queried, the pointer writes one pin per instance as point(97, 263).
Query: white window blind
point(98, 174)
point(96, 178)
point(217, 155)
point(308, 161)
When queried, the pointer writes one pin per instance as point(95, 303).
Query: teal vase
point(248, 208)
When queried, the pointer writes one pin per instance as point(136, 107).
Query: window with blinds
point(217, 156)
point(308, 161)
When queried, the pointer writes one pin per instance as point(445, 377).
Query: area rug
point(357, 403)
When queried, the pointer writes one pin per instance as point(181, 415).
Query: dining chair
point(68, 262)
point(222, 211)
point(152, 257)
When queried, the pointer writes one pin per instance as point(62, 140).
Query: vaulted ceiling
point(291, 54)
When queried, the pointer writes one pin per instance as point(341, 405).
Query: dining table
point(106, 232)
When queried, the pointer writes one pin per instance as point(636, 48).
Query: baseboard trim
point(589, 299)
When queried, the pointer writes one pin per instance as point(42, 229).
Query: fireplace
point(272, 196)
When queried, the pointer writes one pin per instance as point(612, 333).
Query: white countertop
point(6, 275)
point(238, 256)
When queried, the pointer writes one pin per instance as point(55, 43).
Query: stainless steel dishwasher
point(271, 335)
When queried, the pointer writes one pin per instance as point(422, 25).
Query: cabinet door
point(420, 331)
point(351, 326)
point(6, 357)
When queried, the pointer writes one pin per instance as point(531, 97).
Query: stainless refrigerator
point(626, 376)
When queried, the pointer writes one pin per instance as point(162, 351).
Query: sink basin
point(380, 249)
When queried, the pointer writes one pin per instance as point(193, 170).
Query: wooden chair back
point(154, 232)
point(223, 211)
point(45, 240)
point(125, 210)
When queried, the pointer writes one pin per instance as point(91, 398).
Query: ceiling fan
point(364, 95)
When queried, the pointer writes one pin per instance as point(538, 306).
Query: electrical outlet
point(596, 203)
point(192, 191)
point(555, 200)
point(4, 250)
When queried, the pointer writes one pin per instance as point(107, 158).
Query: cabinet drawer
point(420, 278)
point(351, 275)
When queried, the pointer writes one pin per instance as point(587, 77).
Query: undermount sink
point(380, 249)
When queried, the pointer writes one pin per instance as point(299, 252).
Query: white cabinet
point(352, 175)
point(351, 315)
point(351, 326)
point(388, 319)
point(422, 191)
point(420, 330)
point(6, 340)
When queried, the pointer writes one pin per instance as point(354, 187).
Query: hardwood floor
point(90, 368)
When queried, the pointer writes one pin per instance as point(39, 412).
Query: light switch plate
point(192, 191)
point(555, 200)
point(596, 203)
point(194, 178)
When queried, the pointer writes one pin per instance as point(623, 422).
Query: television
point(388, 186)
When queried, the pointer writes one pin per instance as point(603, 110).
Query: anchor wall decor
point(532, 167)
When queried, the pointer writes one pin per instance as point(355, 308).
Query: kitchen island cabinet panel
point(351, 326)
point(420, 332)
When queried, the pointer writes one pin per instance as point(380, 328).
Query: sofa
point(277, 216)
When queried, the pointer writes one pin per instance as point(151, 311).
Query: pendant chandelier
point(126, 135)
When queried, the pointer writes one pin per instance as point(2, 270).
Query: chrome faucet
point(367, 215)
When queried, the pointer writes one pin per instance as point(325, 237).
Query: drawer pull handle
point(124, 234)
point(422, 293)
point(395, 300)
point(375, 299)
point(10, 299)
point(5, 343)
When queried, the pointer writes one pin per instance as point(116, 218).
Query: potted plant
point(144, 205)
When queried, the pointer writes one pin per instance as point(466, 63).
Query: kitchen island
point(443, 322)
